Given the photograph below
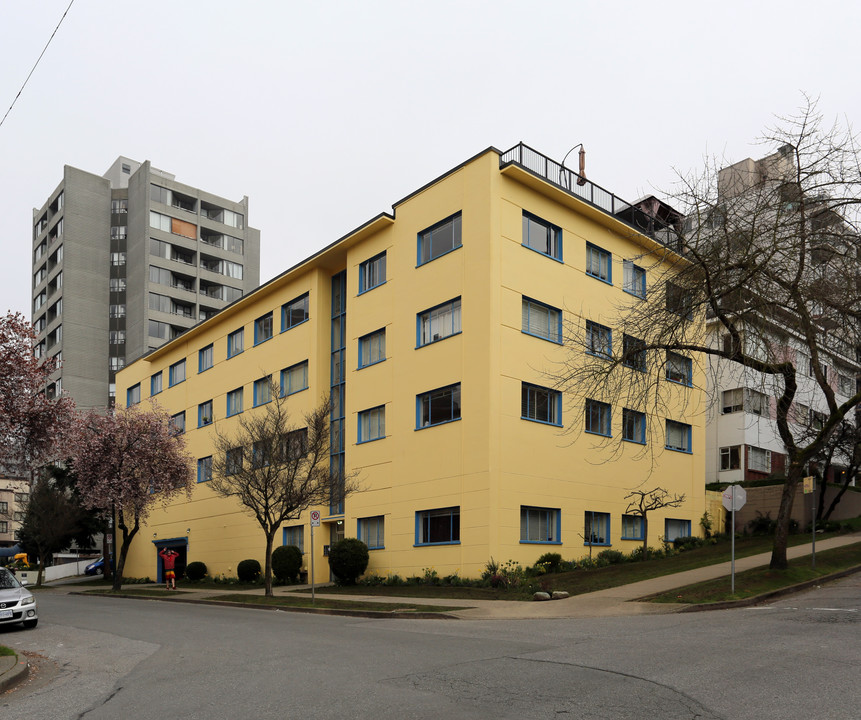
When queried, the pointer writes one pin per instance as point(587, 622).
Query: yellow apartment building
point(436, 329)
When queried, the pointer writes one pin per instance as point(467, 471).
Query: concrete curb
point(764, 597)
point(12, 671)
point(376, 614)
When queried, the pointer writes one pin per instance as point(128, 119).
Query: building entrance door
point(336, 534)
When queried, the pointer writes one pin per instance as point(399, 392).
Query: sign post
point(734, 498)
point(809, 484)
point(315, 522)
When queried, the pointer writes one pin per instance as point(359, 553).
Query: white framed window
point(372, 424)
point(732, 400)
point(730, 457)
point(634, 279)
point(758, 459)
point(438, 322)
point(372, 273)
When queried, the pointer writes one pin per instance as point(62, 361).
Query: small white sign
point(734, 497)
point(315, 518)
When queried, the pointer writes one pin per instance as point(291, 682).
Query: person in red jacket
point(169, 557)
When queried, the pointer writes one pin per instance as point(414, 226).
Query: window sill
point(285, 329)
point(260, 342)
point(238, 412)
point(600, 356)
point(261, 404)
point(437, 424)
point(367, 290)
point(638, 539)
point(376, 547)
point(599, 434)
point(542, 337)
point(204, 370)
point(293, 392)
point(541, 422)
point(365, 442)
point(540, 542)
point(434, 544)
point(600, 279)
point(634, 294)
point(437, 257)
point(376, 362)
point(234, 354)
point(678, 450)
point(597, 544)
point(544, 254)
point(178, 382)
point(633, 442)
point(438, 340)
point(680, 382)
point(203, 425)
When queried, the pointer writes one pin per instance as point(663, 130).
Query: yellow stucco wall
point(490, 462)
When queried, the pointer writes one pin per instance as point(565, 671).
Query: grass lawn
point(132, 590)
point(6, 651)
point(762, 580)
point(305, 602)
point(578, 582)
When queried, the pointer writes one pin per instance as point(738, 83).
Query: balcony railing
point(572, 183)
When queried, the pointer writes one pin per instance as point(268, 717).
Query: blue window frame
point(542, 236)
point(439, 239)
point(204, 469)
point(372, 348)
point(262, 390)
point(176, 373)
point(633, 354)
point(678, 436)
point(438, 323)
point(599, 263)
point(599, 340)
point(133, 395)
point(155, 384)
point(632, 527)
point(633, 426)
point(540, 525)
point(596, 528)
point(679, 300)
point(234, 402)
point(233, 461)
point(438, 527)
point(177, 423)
point(294, 378)
point(597, 418)
point(204, 414)
point(295, 535)
point(294, 313)
point(263, 328)
point(540, 404)
point(372, 424)
point(438, 406)
point(371, 531)
point(372, 273)
point(235, 342)
point(205, 358)
point(540, 320)
point(679, 369)
point(634, 280)
point(674, 529)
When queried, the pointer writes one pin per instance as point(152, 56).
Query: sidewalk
point(613, 602)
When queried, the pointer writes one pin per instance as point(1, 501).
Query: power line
point(37, 63)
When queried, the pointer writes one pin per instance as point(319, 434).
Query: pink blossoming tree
point(128, 462)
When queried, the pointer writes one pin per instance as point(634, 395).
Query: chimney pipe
point(582, 179)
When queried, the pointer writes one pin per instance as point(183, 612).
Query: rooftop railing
point(578, 186)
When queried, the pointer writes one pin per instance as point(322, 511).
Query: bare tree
point(845, 445)
point(642, 502)
point(760, 279)
point(277, 469)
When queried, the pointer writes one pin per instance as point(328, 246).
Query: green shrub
point(686, 543)
point(348, 559)
point(286, 562)
point(248, 570)
point(551, 561)
point(195, 571)
point(610, 557)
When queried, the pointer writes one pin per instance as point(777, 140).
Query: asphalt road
point(105, 659)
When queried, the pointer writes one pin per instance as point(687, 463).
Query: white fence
point(55, 572)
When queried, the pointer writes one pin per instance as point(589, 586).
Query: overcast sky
point(325, 113)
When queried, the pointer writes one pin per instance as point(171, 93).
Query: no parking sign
point(315, 518)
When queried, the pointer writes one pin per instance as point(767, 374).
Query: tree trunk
point(837, 498)
point(781, 533)
point(645, 539)
point(124, 551)
point(820, 500)
point(267, 573)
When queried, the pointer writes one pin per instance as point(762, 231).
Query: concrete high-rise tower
point(124, 262)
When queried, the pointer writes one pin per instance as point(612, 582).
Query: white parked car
point(17, 604)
